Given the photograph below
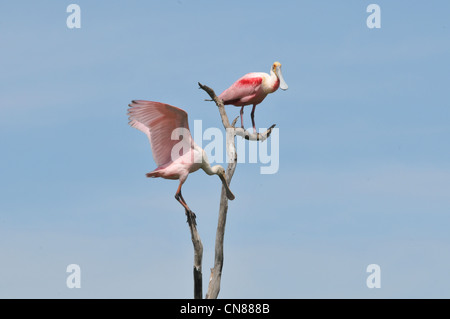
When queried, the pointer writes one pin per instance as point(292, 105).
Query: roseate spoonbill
point(175, 158)
point(252, 88)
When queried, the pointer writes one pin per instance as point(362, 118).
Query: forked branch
point(232, 131)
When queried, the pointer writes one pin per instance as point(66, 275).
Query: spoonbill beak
point(283, 84)
point(227, 189)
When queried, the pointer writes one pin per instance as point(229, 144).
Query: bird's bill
point(283, 84)
point(230, 195)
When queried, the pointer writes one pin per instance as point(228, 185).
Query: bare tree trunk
point(198, 255)
point(216, 271)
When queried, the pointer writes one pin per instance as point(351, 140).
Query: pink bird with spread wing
point(253, 88)
point(176, 159)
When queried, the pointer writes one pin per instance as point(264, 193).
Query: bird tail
point(153, 174)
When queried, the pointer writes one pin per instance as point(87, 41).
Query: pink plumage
point(176, 158)
point(253, 88)
point(247, 90)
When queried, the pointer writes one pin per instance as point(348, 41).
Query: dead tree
point(216, 271)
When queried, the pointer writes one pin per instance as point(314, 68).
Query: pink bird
point(164, 124)
point(253, 88)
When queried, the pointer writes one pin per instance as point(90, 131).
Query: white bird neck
point(206, 166)
point(270, 83)
point(210, 170)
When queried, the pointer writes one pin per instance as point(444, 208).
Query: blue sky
point(364, 159)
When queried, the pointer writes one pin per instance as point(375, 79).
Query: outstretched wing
point(158, 121)
point(246, 86)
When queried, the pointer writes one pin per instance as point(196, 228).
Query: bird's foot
point(191, 217)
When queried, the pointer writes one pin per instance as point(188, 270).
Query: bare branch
point(254, 137)
point(219, 103)
point(198, 255)
point(234, 121)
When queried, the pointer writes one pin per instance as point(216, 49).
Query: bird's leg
point(180, 198)
point(242, 117)
point(189, 213)
point(253, 118)
point(192, 214)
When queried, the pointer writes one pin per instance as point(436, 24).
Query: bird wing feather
point(158, 121)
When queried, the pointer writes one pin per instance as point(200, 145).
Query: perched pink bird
point(164, 124)
point(252, 88)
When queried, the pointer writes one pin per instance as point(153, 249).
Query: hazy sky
point(364, 174)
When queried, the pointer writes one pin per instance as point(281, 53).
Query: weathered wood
point(216, 271)
point(198, 255)
point(232, 132)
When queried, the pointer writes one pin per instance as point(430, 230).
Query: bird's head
point(276, 68)
point(276, 65)
point(220, 171)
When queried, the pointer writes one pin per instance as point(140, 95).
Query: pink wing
point(246, 87)
point(158, 121)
